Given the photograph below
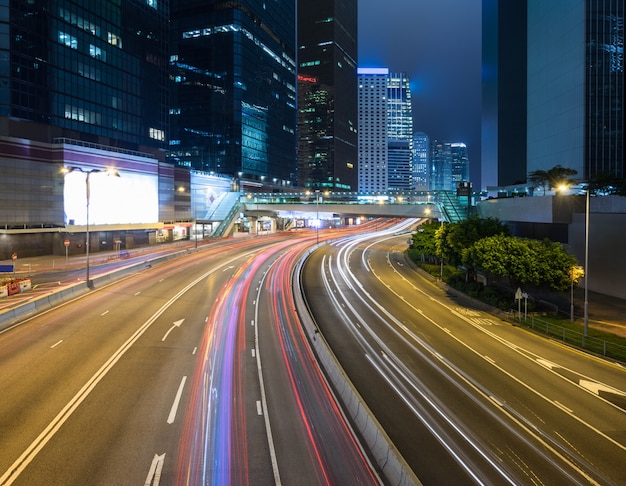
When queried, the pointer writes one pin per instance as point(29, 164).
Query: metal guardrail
point(594, 345)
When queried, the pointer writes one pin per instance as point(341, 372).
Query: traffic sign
point(66, 242)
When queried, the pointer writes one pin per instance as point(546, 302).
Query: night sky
point(437, 44)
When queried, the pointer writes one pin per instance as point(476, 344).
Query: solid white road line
point(172, 416)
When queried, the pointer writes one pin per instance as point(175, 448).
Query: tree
point(424, 240)
point(453, 238)
point(523, 261)
point(554, 177)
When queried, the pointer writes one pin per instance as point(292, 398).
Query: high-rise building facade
point(503, 141)
point(449, 165)
point(553, 88)
point(373, 126)
point(400, 133)
point(604, 96)
point(233, 71)
point(576, 86)
point(421, 160)
point(92, 70)
point(84, 85)
point(327, 88)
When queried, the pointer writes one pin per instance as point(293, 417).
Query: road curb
point(390, 462)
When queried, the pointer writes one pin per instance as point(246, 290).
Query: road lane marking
point(174, 325)
point(154, 474)
point(259, 409)
point(596, 388)
point(172, 416)
point(56, 344)
point(15, 469)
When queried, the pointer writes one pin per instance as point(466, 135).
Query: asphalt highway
point(466, 398)
point(158, 379)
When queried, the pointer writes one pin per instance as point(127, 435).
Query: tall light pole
point(586, 304)
point(317, 216)
point(67, 170)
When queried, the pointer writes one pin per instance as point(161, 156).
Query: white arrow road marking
point(172, 415)
point(154, 475)
point(547, 364)
point(176, 324)
point(596, 388)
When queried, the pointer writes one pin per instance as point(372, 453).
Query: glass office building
point(96, 70)
point(400, 133)
point(82, 84)
point(327, 87)
point(553, 88)
point(233, 75)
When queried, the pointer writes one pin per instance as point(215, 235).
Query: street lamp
point(113, 172)
point(317, 216)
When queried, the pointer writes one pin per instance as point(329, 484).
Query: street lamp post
point(88, 173)
point(586, 268)
point(317, 216)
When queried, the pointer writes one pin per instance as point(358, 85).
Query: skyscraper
point(83, 85)
point(373, 126)
point(234, 88)
point(327, 87)
point(503, 158)
point(421, 160)
point(576, 86)
point(400, 133)
point(553, 88)
point(449, 165)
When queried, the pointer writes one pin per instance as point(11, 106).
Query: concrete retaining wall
point(393, 466)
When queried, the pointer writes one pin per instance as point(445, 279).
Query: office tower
point(372, 139)
point(83, 84)
point(421, 160)
point(449, 165)
point(400, 133)
point(460, 164)
point(503, 158)
point(327, 94)
point(233, 70)
point(576, 86)
point(562, 62)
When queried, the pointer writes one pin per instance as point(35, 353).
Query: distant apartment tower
point(233, 77)
point(553, 78)
point(372, 139)
point(327, 94)
point(421, 160)
point(449, 165)
point(400, 133)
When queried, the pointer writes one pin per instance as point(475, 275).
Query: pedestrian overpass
point(263, 210)
point(441, 205)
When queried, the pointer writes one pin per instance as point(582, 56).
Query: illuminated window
point(151, 3)
point(68, 40)
point(114, 40)
point(96, 52)
point(157, 134)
